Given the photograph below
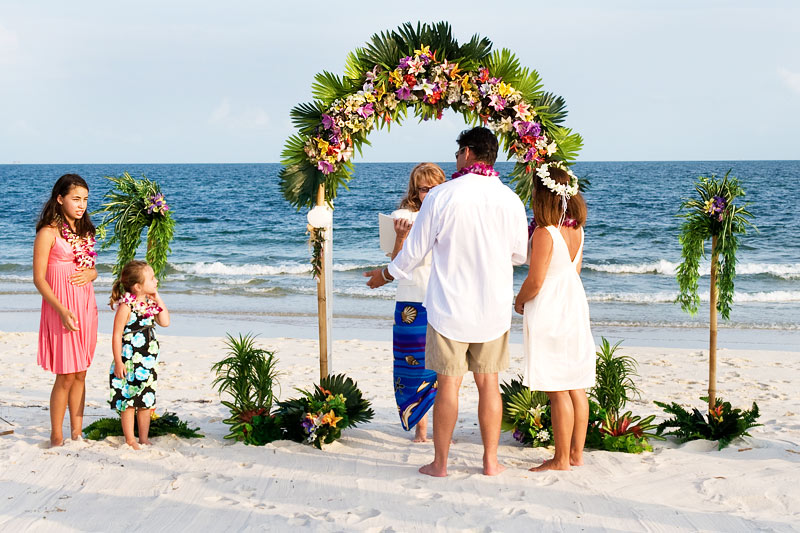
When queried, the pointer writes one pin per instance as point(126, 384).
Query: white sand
point(368, 480)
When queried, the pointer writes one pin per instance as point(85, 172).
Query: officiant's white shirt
point(477, 230)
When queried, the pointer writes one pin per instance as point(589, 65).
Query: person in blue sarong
point(414, 386)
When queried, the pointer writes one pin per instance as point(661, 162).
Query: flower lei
point(146, 308)
point(481, 169)
point(82, 247)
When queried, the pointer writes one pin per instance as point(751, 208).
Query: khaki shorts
point(453, 358)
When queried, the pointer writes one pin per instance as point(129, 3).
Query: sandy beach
point(368, 480)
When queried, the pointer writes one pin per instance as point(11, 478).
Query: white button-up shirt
point(477, 230)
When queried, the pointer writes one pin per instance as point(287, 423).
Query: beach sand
point(368, 480)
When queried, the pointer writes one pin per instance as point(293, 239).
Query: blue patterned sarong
point(414, 387)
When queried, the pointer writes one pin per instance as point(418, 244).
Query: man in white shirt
point(476, 228)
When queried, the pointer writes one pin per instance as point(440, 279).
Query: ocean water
point(240, 253)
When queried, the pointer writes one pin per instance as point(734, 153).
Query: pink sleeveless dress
point(62, 351)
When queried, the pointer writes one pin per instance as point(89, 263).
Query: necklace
point(145, 308)
point(82, 247)
point(477, 168)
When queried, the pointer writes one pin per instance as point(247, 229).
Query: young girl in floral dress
point(63, 272)
point(133, 372)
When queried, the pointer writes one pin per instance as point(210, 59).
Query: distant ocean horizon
point(241, 251)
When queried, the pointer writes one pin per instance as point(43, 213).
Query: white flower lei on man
point(564, 190)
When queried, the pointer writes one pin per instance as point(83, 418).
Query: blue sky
point(186, 82)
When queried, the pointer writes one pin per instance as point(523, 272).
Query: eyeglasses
point(424, 189)
point(461, 150)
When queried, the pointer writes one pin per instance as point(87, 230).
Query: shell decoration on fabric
point(411, 360)
point(409, 314)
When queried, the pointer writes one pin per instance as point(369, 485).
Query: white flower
point(551, 148)
point(543, 435)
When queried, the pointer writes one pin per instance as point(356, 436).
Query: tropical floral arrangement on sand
point(723, 423)
point(166, 424)
point(527, 412)
point(426, 70)
point(129, 207)
point(609, 428)
point(248, 375)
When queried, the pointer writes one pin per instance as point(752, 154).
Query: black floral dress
point(140, 356)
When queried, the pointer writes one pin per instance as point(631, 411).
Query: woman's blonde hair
point(547, 205)
point(429, 172)
point(131, 274)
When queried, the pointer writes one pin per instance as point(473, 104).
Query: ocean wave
point(251, 269)
point(669, 297)
point(669, 268)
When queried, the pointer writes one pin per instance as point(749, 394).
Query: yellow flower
point(396, 76)
point(330, 418)
point(465, 83)
point(322, 144)
point(425, 50)
point(153, 415)
point(381, 91)
point(505, 89)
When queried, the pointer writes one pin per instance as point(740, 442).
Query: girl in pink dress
point(63, 271)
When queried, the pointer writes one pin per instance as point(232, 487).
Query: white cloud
point(245, 118)
point(791, 79)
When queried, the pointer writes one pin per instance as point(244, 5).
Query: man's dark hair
point(482, 142)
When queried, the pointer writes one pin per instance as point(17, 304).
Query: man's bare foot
point(576, 461)
point(550, 464)
point(421, 436)
point(133, 444)
point(55, 442)
point(146, 442)
point(492, 469)
point(434, 471)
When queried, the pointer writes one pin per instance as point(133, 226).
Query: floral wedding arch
point(423, 70)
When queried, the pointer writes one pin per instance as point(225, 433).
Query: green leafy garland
point(714, 214)
point(425, 69)
point(316, 240)
point(129, 207)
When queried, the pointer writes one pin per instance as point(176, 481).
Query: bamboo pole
point(712, 337)
point(322, 297)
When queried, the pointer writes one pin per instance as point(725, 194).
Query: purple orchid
point(404, 62)
point(366, 110)
point(403, 93)
point(327, 121)
point(325, 167)
point(527, 128)
point(157, 204)
point(517, 435)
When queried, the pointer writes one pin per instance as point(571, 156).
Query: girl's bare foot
point(550, 464)
point(133, 444)
point(420, 436)
point(55, 442)
point(77, 435)
point(146, 442)
point(576, 461)
point(433, 470)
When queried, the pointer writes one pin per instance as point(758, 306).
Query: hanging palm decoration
point(714, 215)
point(129, 207)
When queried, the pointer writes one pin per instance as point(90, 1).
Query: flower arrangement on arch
point(425, 69)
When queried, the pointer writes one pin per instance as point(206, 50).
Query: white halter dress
point(558, 342)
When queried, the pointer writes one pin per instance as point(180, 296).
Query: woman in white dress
point(558, 343)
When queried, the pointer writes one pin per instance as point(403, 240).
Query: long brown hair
point(52, 212)
point(428, 172)
point(547, 204)
point(132, 273)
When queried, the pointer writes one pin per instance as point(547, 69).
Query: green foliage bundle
point(166, 424)
point(319, 416)
point(526, 413)
point(248, 375)
point(713, 214)
point(369, 96)
point(614, 384)
point(723, 423)
point(129, 207)
point(614, 387)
